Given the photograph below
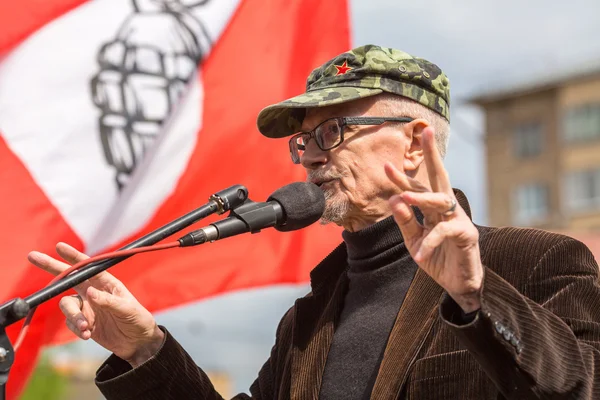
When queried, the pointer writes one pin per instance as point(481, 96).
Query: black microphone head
point(303, 203)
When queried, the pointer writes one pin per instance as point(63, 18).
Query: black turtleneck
point(380, 272)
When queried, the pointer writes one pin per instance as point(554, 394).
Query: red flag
point(106, 133)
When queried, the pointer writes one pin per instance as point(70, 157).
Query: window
point(583, 190)
point(528, 140)
point(582, 123)
point(530, 204)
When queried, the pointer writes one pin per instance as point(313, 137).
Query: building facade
point(543, 153)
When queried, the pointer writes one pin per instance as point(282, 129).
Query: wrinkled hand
point(446, 247)
point(109, 315)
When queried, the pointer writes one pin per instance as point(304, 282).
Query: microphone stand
point(16, 309)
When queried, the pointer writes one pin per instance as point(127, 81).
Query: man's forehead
point(314, 116)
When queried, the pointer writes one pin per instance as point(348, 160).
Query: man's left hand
point(446, 246)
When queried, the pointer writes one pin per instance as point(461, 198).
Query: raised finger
point(402, 180)
point(47, 263)
point(438, 176)
point(69, 253)
point(54, 267)
point(74, 256)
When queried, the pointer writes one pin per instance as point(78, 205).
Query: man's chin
point(333, 195)
point(323, 221)
point(335, 212)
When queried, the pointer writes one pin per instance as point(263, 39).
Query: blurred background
point(525, 148)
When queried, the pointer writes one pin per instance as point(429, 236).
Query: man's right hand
point(108, 312)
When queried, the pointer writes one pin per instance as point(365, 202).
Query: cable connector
point(193, 238)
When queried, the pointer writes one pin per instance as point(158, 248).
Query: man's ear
point(413, 157)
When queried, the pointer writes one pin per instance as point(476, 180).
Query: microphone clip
point(256, 216)
point(249, 216)
point(230, 198)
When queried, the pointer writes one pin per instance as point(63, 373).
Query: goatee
point(336, 208)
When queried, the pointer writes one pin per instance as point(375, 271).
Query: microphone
point(289, 208)
point(230, 198)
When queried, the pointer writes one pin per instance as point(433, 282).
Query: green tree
point(46, 383)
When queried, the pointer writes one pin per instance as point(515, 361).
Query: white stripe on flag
point(156, 176)
point(49, 119)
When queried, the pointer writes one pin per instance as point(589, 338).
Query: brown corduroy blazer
point(537, 335)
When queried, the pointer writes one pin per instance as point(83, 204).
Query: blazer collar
point(414, 321)
point(328, 271)
point(317, 316)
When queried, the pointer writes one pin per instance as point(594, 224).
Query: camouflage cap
point(362, 72)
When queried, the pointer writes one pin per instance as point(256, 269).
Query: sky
point(482, 45)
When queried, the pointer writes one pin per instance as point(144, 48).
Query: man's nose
point(313, 157)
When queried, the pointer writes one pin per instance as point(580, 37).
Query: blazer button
point(499, 327)
point(508, 335)
point(519, 348)
point(514, 341)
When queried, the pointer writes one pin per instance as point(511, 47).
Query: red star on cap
point(342, 69)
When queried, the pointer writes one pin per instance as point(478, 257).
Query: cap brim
point(285, 118)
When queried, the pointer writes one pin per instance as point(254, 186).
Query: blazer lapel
point(415, 318)
point(314, 326)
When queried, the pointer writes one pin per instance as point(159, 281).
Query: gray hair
point(398, 106)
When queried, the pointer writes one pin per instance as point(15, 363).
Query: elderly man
point(417, 302)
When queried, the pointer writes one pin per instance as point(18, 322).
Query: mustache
point(322, 176)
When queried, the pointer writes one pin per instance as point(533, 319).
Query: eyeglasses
point(329, 134)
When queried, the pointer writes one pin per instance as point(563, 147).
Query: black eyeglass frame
point(342, 122)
